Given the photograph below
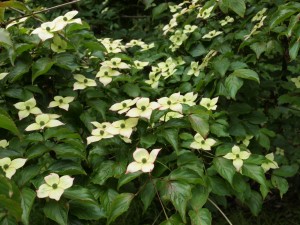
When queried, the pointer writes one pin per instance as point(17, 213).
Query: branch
point(223, 214)
point(41, 11)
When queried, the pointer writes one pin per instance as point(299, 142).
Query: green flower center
point(110, 48)
point(47, 28)
point(104, 126)
point(60, 101)
point(203, 142)
point(114, 63)
point(28, 108)
point(59, 47)
point(85, 81)
point(138, 64)
point(54, 186)
point(144, 160)
point(143, 108)
point(6, 166)
point(184, 100)
point(106, 73)
point(122, 125)
point(42, 123)
point(101, 132)
point(208, 105)
point(124, 105)
point(169, 102)
point(65, 19)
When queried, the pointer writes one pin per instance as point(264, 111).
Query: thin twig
point(41, 11)
point(223, 214)
point(126, 16)
point(162, 205)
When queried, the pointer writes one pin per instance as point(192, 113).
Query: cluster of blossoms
point(260, 18)
point(47, 30)
point(124, 128)
point(42, 120)
point(237, 156)
point(163, 69)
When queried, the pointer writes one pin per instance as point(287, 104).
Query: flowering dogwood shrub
point(94, 129)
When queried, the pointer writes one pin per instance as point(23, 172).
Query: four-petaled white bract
point(100, 132)
point(143, 108)
point(83, 82)
point(270, 163)
point(210, 104)
point(201, 143)
point(26, 108)
point(44, 120)
point(106, 74)
point(237, 156)
point(123, 127)
point(4, 143)
point(123, 106)
point(142, 160)
point(61, 102)
point(172, 102)
point(10, 166)
point(54, 186)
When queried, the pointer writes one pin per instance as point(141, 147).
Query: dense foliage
point(156, 115)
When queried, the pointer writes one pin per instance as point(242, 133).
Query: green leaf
point(258, 48)
point(254, 172)
point(67, 167)
point(281, 184)
point(66, 61)
point(7, 123)
point(40, 67)
point(132, 90)
point(13, 207)
point(173, 220)
point(254, 202)
point(158, 10)
point(221, 65)
point(246, 74)
point(200, 123)
point(238, 6)
point(294, 49)
point(197, 50)
point(225, 168)
point(199, 197)
point(147, 195)
point(86, 209)
point(28, 197)
point(56, 211)
point(119, 205)
point(286, 170)
point(103, 172)
point(283, 12)
point(5, 39)
point(178, 193)
point(77, 192)
point(185, 175)
point(232, 85)
point(201, 217)
point(125, 178)
point(148, 140)
point(171, 136)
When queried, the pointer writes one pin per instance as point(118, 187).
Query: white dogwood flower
point(194, 69)
point(100, 132)
point(46, 30)
point(10, 166)
point(172, 102)
point(106, 74)
point(2, 75)
point(115, 63)
point(44, 120)
point(153, 80)
point(143, 108)
point(4, 143)
point(143, 160)
point(188, 99)
point(212, 34)
point(237, 156)
point(123, 127)
point(170, 115)
point(270, 163)
point(54, 186)
point(83, 82)
point(123, 106)
point(26, 108)
point(62, 21)
point(140, 64)
point(210, 104)
point(61, 102)
point(201, 143)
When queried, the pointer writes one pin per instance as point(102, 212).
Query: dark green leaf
point(40, 67)
point(200, 124)
point(232, 85)
point(225, 168)
point(28, 197)
point(246, 74)
point(200, 217)
point(56, 211)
